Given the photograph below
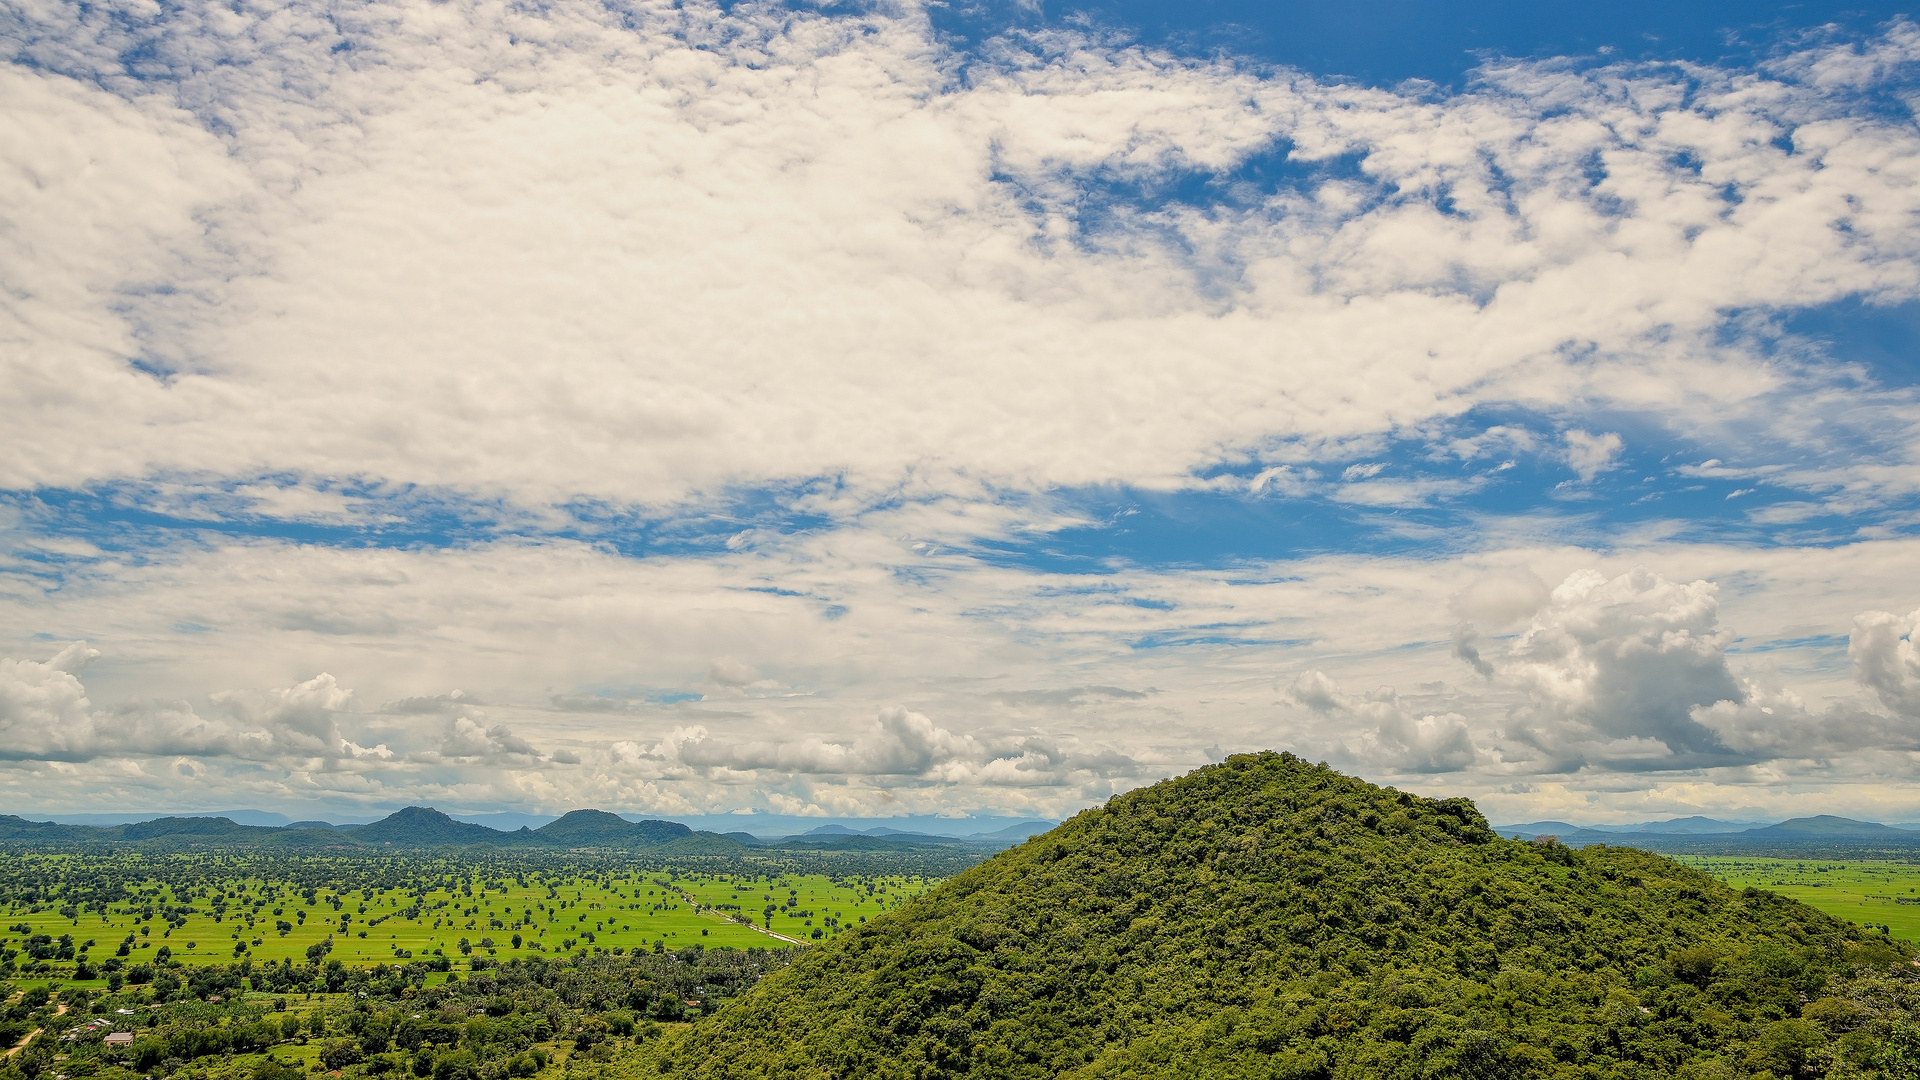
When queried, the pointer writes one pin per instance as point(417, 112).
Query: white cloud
point(946, 681)
point(431, 703)
point(301, 719)
point(1589, 454)
point(1388, 735)
point(43, 707)
point(1886, 660)
point(658, 253)
point(1500, 597)
point(900, 743)
point(469, 739)
point(1632, 672)
point(46, 715)
point(1614, 668)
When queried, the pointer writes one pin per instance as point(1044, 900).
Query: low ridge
point(426, 827)
point(1270, 918)
point(1829, 825)
point(598, 828)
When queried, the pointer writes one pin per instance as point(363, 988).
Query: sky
point(953, 411)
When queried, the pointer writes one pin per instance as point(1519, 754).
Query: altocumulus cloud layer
point(748, 409)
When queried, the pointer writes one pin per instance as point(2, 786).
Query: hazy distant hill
point(1269, 918)
point(187, 826)
point(1809, 836)
point(422, 826)
point(425, 827)
point(1695, 824)
point(13, 827)
point(844, 838)
point(429, 828)
point(415, 827)
point(597, 828)
point(1828, 825)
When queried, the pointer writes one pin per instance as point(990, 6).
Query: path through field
point(697, 906)
point(61, 1010)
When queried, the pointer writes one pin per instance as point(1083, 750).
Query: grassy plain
point(1865, 891)
point(218, 920)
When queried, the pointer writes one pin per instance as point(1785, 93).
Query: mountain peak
point(425, 825)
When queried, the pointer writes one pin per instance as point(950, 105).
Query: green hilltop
point(1270, 918)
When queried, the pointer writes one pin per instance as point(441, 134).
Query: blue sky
point(872, 412)
point(1385, 43)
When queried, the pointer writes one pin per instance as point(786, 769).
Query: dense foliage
point(505, 1020)
point(1270, 918)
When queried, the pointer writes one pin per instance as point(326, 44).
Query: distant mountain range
point(419, 827)
point(1709, 836)
point(425, 827)
point(1012, 834)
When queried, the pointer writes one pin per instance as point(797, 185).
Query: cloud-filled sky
point(888, 410)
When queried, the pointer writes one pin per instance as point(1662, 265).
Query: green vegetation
point(252, 966)
point(107, 920)
point(1270, 918)
point(1871, 892)
point(510, 1020)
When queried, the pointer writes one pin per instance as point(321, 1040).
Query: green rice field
point(1869, 892)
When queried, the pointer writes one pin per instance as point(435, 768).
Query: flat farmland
point(1864, 891)
point(216, 918)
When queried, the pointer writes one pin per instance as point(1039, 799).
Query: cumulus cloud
point(1884, 656)
point(299, 719)
point(1388, 734)
point(468, 739)
point(1615, 667)
point(1632, 672)
point(46, 715)
point(44, 711)
point(1772, 723)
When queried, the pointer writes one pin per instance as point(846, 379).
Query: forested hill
point(1270, 918)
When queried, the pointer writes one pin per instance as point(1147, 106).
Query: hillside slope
point(1270, 918)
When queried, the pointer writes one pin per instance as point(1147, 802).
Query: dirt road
point(59, 1011)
